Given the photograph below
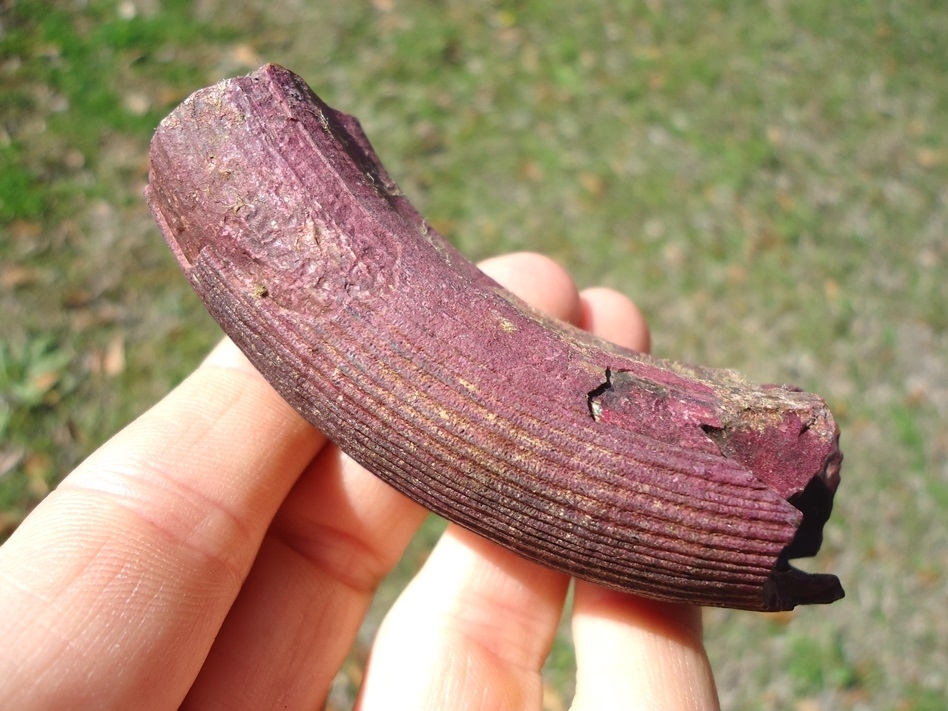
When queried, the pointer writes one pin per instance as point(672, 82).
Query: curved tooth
point(675, 482)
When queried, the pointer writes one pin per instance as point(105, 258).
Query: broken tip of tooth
point(789, 587)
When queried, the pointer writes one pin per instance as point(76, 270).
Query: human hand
point(220, 553)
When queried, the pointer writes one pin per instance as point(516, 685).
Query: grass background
point(768, 180)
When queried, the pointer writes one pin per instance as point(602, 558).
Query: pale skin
point(219, 552)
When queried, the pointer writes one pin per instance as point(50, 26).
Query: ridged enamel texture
point(674, 482)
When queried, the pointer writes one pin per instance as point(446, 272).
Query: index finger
point(116, 585)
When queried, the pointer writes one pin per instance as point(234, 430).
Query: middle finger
point(338, 533)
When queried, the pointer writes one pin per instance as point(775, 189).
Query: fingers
point(338, 533)
point(470, 632)
point(116, 585)
point(538, 280)
point(612, 316)
point(119, 582)
point(473, 629)
point(633, 653)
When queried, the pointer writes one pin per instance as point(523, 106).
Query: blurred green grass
point(769, 181)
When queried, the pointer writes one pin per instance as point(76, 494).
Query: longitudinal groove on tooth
point(453, 391)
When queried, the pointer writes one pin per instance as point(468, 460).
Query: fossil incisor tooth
point(675, 482)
